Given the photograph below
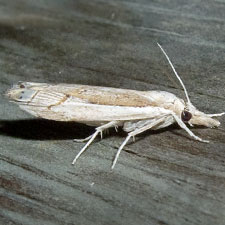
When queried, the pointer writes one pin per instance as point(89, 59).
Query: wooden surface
point(165, 177)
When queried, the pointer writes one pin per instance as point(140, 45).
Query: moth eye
point(186, 116)
point(22, 86)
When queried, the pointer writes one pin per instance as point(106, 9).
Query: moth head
point(193, 116)
point(188, 113)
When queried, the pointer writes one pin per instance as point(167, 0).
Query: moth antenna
point(178, 77)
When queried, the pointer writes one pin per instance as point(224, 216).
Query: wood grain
point(165, 177)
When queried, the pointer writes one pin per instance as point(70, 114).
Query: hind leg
point(91, 138)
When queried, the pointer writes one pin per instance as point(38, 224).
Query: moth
point(106, 107)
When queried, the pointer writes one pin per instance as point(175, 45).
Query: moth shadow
point(41, 129)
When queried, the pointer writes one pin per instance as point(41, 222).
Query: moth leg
point(116, 128)
point(93, 136)
point(101, 134)
point(89, 137)
point(182, 125)
point(83, 139)
point(133, 133)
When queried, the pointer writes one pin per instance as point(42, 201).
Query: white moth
point(105, 107)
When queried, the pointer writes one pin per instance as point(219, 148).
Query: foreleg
point(182, 125)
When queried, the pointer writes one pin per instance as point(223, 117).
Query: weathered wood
point(165, 177)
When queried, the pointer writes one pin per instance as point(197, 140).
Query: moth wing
point(82, 103)
point(103, 95)
point(40, 103)
point(81, 112)
point(60, 107)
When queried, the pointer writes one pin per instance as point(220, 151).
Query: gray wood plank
point(165, 177)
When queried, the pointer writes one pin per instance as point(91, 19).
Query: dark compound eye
point(22, 86)
point(186, 116)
